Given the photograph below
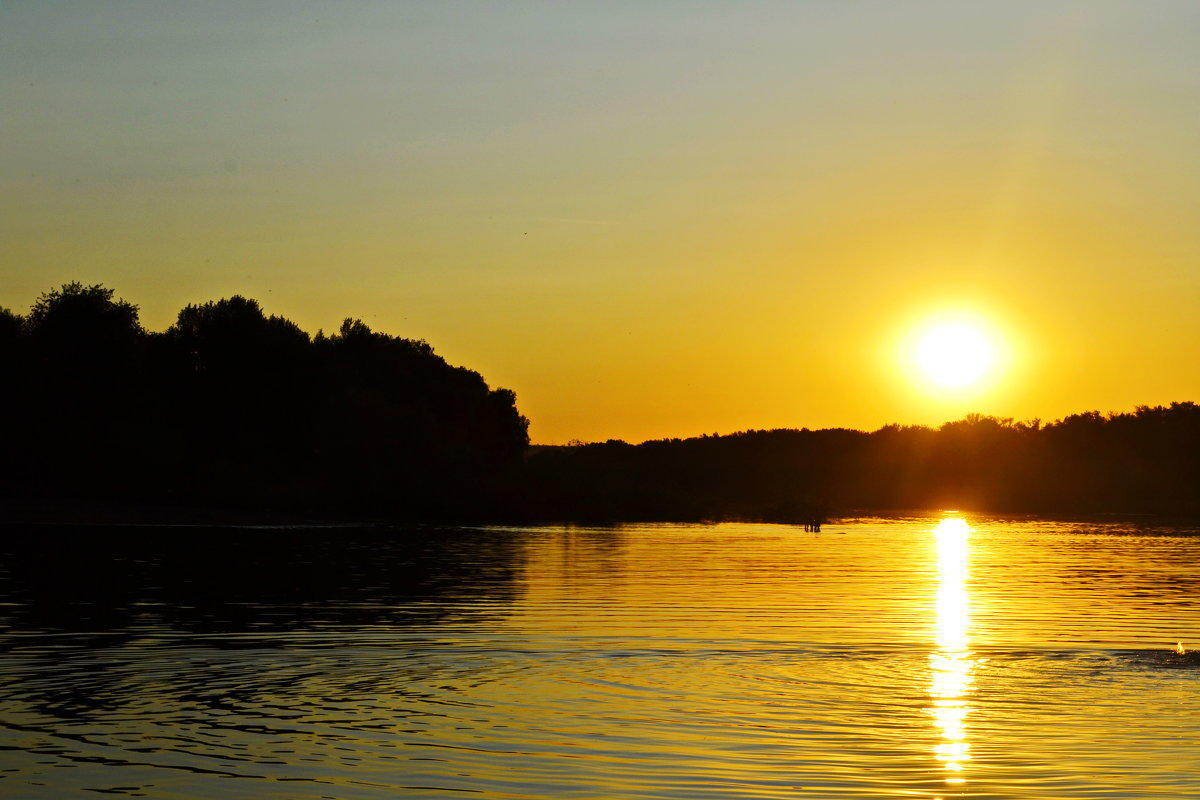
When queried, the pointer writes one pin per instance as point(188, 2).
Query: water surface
point(938, 656)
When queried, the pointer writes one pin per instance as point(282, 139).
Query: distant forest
point(230, 411)
point(1147, 461)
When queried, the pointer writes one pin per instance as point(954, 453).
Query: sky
point(648, 219)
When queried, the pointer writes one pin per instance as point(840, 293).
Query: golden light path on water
point(951, 664)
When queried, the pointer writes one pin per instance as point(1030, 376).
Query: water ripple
point(652, 661)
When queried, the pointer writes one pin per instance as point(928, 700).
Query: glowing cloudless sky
point(649, 218)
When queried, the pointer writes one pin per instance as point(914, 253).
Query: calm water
point(880, 658)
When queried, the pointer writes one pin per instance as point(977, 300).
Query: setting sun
point(954, 355)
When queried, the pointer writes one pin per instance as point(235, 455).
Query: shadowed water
point(913, 657)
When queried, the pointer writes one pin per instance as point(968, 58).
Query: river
point(928, 656)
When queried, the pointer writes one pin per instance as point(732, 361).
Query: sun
point(953, 354)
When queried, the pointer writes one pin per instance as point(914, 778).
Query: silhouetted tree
point(10, 332)
point(80, 400)
point(12, 381)
point(83, 330)
point(410, 427)
point(232, 408)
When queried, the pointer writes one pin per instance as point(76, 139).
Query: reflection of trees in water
point(118, 580)
point(101, 618)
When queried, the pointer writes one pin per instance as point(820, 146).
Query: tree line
point(231, 410)
point(1145, 461)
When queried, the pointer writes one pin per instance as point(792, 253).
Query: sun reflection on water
point(950, 663)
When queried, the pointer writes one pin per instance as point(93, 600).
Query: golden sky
point(648, 219)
